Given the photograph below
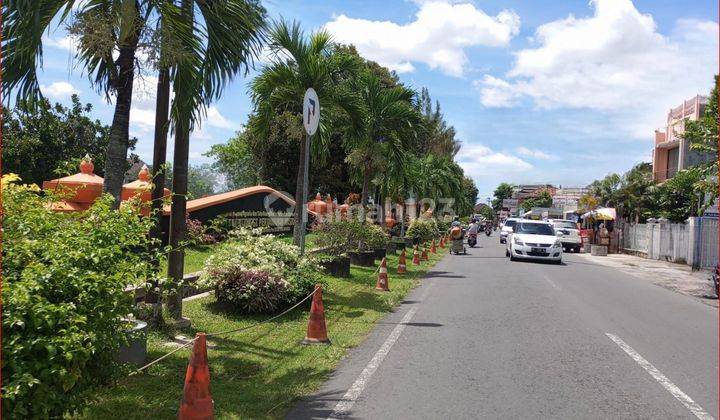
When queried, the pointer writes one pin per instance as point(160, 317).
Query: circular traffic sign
point(311, 111)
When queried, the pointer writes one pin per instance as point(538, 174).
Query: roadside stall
point(597, 226)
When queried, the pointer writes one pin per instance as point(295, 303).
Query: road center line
point(552, 283)
point(662, 379)
point(344, 406)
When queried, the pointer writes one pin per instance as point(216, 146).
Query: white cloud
point(68, 42)
point(615, 62)
point(59, 90)
point(478, 161)
point(215, 119)
point(438, 36)
point(537, 154)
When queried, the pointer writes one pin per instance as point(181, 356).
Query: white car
point(534, 239)
point(568, 233)
point(507, 228)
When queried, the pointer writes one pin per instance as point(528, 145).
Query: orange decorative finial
point(144, 174)
point(86, 165)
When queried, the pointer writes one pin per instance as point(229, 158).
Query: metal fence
point(694, 242)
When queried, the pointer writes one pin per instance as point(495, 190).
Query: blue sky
point(539, 91)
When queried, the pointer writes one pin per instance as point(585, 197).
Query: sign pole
point(306, 160)
point(311, 120)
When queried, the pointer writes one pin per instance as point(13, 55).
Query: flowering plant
point(251, 251)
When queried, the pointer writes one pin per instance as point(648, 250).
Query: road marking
point(552, 283)
point(662, 379)
point(344, 406)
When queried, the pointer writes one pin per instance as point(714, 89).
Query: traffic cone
point(442, 242)
point(432, 247)
point(424, 255)
point(402, 268)
point(382, 281)
point(197, 403)
point(416, 256)
point(316, 329)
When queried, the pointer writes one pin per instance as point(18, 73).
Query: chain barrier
point(265, 321)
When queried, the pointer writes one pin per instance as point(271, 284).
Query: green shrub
point(337, 237)
point(63, 299)
point(340, 236)
point(425, 229)
point(444, 223)
point(250, 251)
point(250, 291)
point(375, 236)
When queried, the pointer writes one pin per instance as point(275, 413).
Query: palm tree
point(297, 63)
point(108, 31)
point(381, 141)
point(213, 47)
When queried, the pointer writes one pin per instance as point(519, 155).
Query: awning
point(604, 213)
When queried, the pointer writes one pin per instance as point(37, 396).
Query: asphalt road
point(484, 337)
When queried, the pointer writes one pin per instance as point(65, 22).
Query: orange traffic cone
point(316, 329)
point(424, 255)
point(382, 281)
point(432, 247)
point(402, 268)
point(197, 403)
point(416, 256)
point(442, 242)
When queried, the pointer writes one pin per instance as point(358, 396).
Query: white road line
point(552, 283)
point(344, 406)
point(662, 379)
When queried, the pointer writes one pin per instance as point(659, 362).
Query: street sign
point(311, 111)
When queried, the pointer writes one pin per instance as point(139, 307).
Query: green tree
point(703, 137)
point(102, 27)
point(43, 142)
point(486, 211)
point(607, 190)
point(202, 180)
point(677, 198)
point(503, 191)
point(634, 193)
point(471, 196)
point(436, 136)
point(381, 140)
point(299, 62)
point(542, 199)
point(214, 42)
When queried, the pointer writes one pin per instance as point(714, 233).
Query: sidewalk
point(676, 277)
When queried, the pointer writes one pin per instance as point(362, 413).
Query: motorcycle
point(472, 239)
point(488, 231)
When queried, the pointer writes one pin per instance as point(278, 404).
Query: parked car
point(534, 239)
point(507, 228)
point(568, 233)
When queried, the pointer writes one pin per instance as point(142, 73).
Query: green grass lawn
point(260, 372)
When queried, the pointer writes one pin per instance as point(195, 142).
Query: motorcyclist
point(473, 228)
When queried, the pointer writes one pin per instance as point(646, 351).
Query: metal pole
point(305, 194)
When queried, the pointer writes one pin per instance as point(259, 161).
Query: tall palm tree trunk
point(159, 152)
point(176, 257)
point(365, 190)
point(162, 106)
point(116, 155)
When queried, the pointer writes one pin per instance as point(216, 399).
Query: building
point(568, 198)
point(522, 192)
point(672, 153)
